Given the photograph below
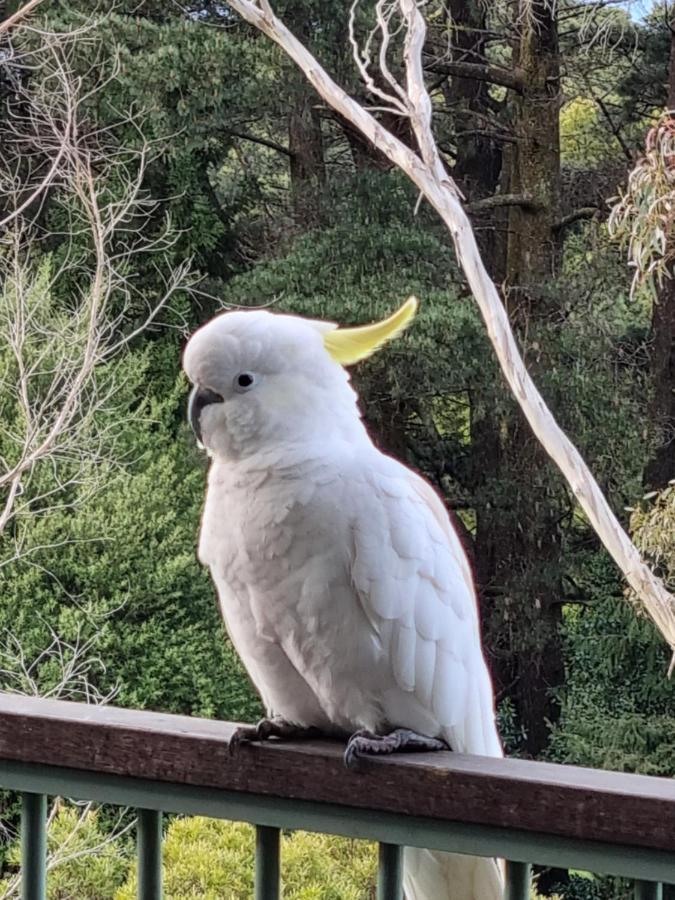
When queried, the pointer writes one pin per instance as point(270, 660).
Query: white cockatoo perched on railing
point(343, 585)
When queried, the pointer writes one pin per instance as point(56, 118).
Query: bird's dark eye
point(244, 381)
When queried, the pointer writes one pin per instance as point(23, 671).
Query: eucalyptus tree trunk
point(478, 171)
point(525, 540)
point(305, 143)
point(535, 161)
point(307, 169)
point(478, 161)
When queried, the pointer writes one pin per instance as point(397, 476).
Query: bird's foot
point(276, 727)
point(401, 740)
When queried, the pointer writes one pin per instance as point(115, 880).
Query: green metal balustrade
point(524, 812)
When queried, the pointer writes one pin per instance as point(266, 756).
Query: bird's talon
point(245, 734)
point(401, 740)
point(271, 728)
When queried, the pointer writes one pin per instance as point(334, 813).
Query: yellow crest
point(350, 345)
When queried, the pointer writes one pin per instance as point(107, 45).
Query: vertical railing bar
point(149, 850)
point(390, 872)
point(518, 877)
point(648, 890)
point(267, 862)
point(33, 846)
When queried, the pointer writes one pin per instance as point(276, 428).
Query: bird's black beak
point(200, 398)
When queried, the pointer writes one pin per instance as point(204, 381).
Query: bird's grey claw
point(401, 740)
point(358, 745)
point(245, 734)
point(271, 728)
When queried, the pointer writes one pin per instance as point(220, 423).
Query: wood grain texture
point(561, 800)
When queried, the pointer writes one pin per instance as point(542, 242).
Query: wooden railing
point(525, 812)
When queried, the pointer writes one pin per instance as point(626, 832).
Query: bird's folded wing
point(415, 585)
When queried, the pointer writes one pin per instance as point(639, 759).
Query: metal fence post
point(33, 846)
point(518, 876)
point(149, 850)
point(390, 872)
point(266, 863)
point(648, 890)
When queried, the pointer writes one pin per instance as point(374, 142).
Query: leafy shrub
point(85, 862)
point(213, 860)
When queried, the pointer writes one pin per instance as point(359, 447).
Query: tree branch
point(498, 200)
point(265, 142)
point(18, 15)
point(52, 418)
point(492, 135)
point(584, 212)
point(614, 128)
point(508, 78)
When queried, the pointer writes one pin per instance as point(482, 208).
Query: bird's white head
point(262, 379)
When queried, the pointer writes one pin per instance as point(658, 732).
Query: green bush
point(84, 862)
point(213, 860)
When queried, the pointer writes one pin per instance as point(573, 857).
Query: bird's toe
point(400, 740)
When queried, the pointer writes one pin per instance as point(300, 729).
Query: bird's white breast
point(278, 542)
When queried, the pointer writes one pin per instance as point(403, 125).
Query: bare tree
point(400, 26)
point(64, 317)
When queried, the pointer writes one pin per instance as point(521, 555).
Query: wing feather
point(403, 654)
point(428, 615)
point(414, 582)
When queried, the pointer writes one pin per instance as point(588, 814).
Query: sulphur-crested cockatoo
point(343, 585)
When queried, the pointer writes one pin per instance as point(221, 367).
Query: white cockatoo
point(343, 585)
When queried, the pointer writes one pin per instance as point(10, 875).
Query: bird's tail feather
point(431, 875)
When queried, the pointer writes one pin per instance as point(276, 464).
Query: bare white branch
point(51, 358)
point(396, 102)
point(19, 15)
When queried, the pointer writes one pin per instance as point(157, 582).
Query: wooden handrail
point(567, 801)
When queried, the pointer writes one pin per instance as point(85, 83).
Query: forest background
point(253, 192)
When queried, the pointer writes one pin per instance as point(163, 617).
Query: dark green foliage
point(618, 706)
point(122, 565)
point(372, 256)
point(586, 887)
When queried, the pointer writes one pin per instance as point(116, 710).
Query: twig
point(584, 212)
point(16, 17)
